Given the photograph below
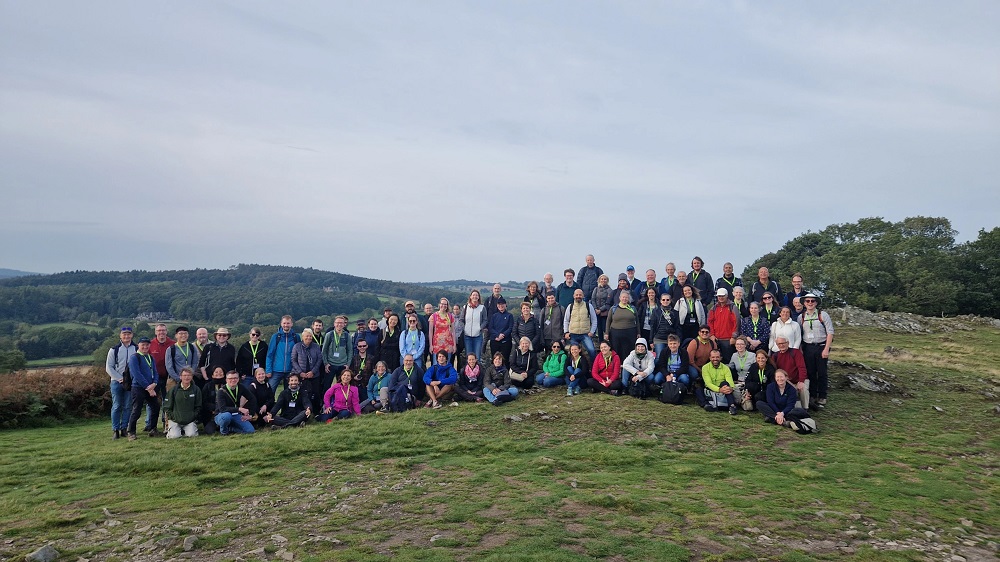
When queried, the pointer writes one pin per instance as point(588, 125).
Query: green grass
point(60, 361)
point(70, 325)
point(609, 478)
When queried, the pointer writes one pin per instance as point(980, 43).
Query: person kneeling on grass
point(293, 406)
point(341, 400)
point(497, 387)
point(719, 386)
point(378, 390)
point(440, 380)
point(779, 408)
point(470, 381)
point(181, 405)
point(607, 371)
point(235, 406)
point(554, 368)
point(263, 394)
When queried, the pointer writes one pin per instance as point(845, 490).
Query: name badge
point(256, 366)
point(336, 354)
point(291, 404)
point(548, 322)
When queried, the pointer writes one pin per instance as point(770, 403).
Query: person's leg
point(657, 378)
point(659, 346)
point(766, 410)
point(190, 430)
point(540, 379)
point(223, 421)
point(488, 394)
point(616, 387)
point(299, 418)
point(596, 386)
point(119, 414)
point(240, 425)
point(602, 322)
point(822, 379)
point(550, 382)
point(446, 392)
point(173, 430)
point(344, 414)
point(275, 380)
point(685, 379)
point(136, 411)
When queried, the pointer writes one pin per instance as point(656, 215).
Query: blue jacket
point(782, 402)
point(412, 343)
point(445, 374)
point(500, 323)
point(279, 351)
point(143, 370)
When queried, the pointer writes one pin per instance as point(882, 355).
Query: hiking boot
point(732, 410)
point(381, 411)
point(152, 432)
point(117, 434)
point(131, 437)
point(794, 426)
point(710, 408)
point(569, 392)
point(576, 390)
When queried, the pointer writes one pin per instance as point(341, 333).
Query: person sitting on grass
point(263, 393)
point(341, 400)
point(779, 407)
point(497, 388)
point(470, 381)
point(208, 402)
point(606, 371)
point(719, 385)
point(637, 370)
point(523, 364)
point(378, 389)
point(554, 369)
point(761, 374)
point(408, 378)
point(673, 363)
point(293, 407)
point(235, 406)
point(577, 370)
point(181, 405)
point(740, 363)
point(439, 380)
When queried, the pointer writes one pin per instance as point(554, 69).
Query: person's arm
point(168, 359)
point(828, 326)
point(451, 376)
point(593, 320)
point(111, 368)
point(168, 403)
point(272, 348)
point(629, 364)
point(707, 380)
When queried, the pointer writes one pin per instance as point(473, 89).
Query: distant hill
point(243, 293)
point(6, 273)
point(471, 284)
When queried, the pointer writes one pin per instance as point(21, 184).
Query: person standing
point(279, 352)
point(491, 302)
point(565, 290)
point(412, 341)
point(251, 356)
point(144, 381)
point(500, 328)
point(338, 351)
point(723, 320)
point(728, 281)
point(307, 362)
point(817, 337)
point(180, 355)
point(218, 354)
point(158, 349)
point(587, 278)
point(701, 280)
point(764, 284)
point(121, 393)
point(580, 323)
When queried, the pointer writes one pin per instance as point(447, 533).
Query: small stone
point(855, 516)
point(143, 528)
point(106, 512)
point(966, 522)
point(930, 534)
point(279, 539)
point(515, 418)
point(969, 543)
point(436, 538)
point(938, 409)
point(957, 558)
point(847, 549)
point(287, 555)
point(851, 532)
point(166, 542)
point(112, 523)
point(763, 538)
point(897, 401)
point(189, 542)
point(45, 554)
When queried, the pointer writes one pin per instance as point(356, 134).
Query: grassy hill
point(908, 475)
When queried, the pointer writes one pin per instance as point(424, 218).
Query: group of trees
point(913, 265)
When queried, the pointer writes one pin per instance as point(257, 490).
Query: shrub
point(41, 396)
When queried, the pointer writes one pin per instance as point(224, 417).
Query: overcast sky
point(419, 141)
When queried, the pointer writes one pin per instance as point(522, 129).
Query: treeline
point(53, 341)
point(913, 265)
point(241, 294)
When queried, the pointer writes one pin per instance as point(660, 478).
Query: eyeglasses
point(222, 335)
point(255, 334)
point(703, 331)
point(556, 347)
point(767, 299)
point(810, 300)
point(362, 346)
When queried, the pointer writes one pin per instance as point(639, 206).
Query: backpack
point(638, 389)
point(800, 421)
point(126, 375)
point(399, 398)
point(673, 393)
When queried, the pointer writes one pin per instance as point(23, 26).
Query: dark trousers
point(816, 367)
point(598, 387)
point(622, 341)
point(279, 421)
point(315, 389)
point(504, 347)
point(769, 413)
point(468, 395)
point(139, 397)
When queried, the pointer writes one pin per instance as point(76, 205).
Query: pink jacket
point(340, 402)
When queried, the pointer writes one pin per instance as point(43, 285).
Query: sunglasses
point(810, 300)
point(767, 299)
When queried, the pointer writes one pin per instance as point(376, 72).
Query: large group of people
point(732, 347)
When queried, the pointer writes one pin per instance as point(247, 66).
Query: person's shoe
point(794, 426)
point(302, 424)
point(152, 432)
point(381, 411)
point(710, 408)
point(429, 404)
point(117, 434)
point(480, 400)
point(453, 403)
point(131, 437)
point(576, 390)
point(732, 410)
point(436, 405)
point(821, 403)
point(569, 392)
point(329, 420)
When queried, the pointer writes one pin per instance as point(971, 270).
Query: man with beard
point(292, 406)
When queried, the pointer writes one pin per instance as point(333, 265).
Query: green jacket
point(182, 406)
point(714, 377)
point(555, 364)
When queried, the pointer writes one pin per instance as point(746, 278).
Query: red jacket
point(159, 353)
point(602, 370)
point(723, 322)
point(791, 362)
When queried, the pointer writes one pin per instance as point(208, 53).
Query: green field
point(69, 325)
point(60, 361)
point(889, 477)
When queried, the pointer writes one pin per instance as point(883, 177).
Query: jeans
point(658, 347)
point(278, 421)
point(335, 414)
point(121, 406)
point(232, 423)
point(473, 346)
point(276, 379)
point(549, 382)
point(716, 397)
point(505, 396)
point(580, 381)
point(585, 340)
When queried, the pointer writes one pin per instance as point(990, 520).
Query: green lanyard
point(184, 351)
point(742, 363)
point(253, 349)
point(731, 283)
point(231, 393)
point(761, 375)
point(149, 361)
point(754, 322)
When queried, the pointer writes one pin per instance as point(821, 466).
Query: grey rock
point(279, 539)
point(166, 542)
point(436, 538)
point(47, 553)
point(938, 409)
point(966, 522)
point(868, 382)
point(189, 542)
